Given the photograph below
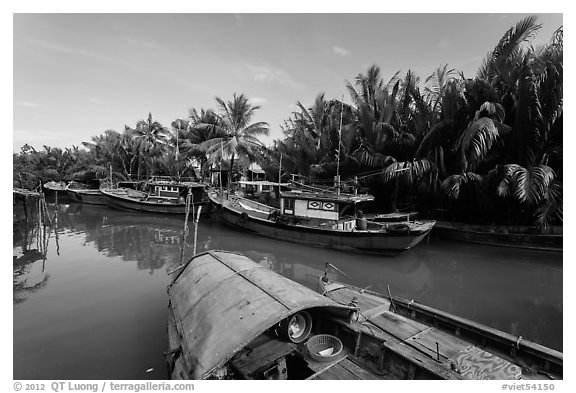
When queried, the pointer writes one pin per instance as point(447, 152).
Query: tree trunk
point(231, 168)
point(394, 197)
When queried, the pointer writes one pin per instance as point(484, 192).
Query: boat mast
point(220, 173)
point(280, 171)
point(176, 155)
point(338, 154)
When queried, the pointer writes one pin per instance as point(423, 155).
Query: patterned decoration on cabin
point(313, 205)
point(328, 206)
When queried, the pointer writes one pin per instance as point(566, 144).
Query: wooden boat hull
point(126, 202)
point(365, 241)
point(498, 236)
point(91, 197)
point(411, 330)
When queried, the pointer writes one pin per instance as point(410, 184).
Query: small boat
point(500, 235)
point(83, 193)
point(232, 318)
point(325, 219)
point(55, 186)
point(419, 341)
point(160, 195)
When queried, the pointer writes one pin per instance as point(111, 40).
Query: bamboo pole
point(185, 230)
point(339, 143)
point(196, 228)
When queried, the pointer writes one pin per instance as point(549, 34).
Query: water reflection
point(96, 281)
point(31, 238)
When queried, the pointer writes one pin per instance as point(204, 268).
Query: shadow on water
point(99, 293)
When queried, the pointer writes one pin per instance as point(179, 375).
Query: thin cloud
point(55, 47)
point(340, 51)
point(268, 74)
point(258, 101)
point(146, 43)
point(444, 44)
point(27, 104)
point(96, 100)
point(39, 134)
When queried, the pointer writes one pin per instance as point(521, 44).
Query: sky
point(78, 75)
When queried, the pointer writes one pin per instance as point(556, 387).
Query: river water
point(90, 297)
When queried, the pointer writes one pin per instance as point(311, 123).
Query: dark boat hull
point(365, 241)
point(499, 236)
point(132, 204)
point(91, 197)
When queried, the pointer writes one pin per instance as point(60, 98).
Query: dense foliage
point(486, 149)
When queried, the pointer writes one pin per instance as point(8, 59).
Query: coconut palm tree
point(202, 127)
point(151, 138)
point(234, 134)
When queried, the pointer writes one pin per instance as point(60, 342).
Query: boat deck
point(267, 350)
point(345, 369)
point(249, 207)
point(127, 193)
point(433, 348)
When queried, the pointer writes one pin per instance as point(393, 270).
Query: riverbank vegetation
point(483, 149)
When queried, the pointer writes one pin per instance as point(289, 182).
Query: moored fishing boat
point(80, 192)
point(160, 195)
point(326, 219)
point(500, 235)
point(231, 318)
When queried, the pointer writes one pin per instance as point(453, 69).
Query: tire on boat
point(243, 218)
point(403, 229)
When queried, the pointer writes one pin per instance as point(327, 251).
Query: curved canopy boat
point(223, 308)
point(231, 318)
point(321, 219)
point(162, 195)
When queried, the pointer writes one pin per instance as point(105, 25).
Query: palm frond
point(452, 185)
point(408, 171)
point(551, 210)
point(476, 141)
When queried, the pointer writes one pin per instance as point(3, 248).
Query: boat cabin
point(170, 190)
point(319, 205)
point(131, 184)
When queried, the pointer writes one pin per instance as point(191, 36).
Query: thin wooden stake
point(391, 300)
point(196, 228)
point(185, 230)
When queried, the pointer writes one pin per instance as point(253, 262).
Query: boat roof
point(221, 301)
point(327, 196)
point(262, 183)
point(174, 183)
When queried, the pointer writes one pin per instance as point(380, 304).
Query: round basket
point(324, 347)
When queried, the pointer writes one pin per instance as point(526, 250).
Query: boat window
point(314, 205)
point(289, 206)
point(331, 206)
